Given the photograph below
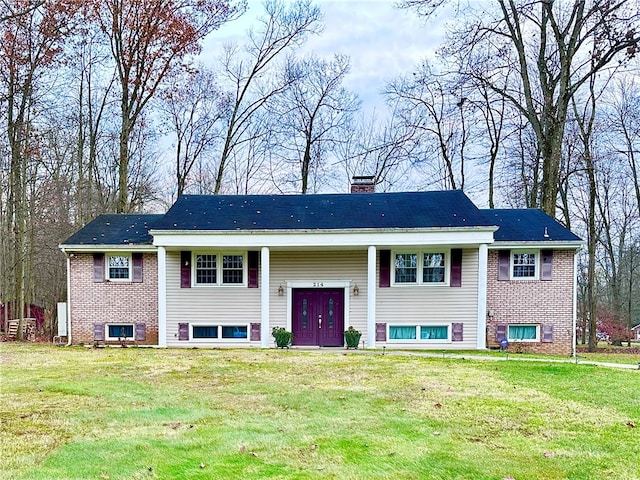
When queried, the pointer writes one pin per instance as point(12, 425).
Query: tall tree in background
point(148, 38)
point(315, 112)
point(551, 46)
point(32, 40)
point(250, 87)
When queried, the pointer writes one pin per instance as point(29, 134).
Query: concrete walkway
point(469, 356)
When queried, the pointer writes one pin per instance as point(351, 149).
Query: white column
point(162, 297)
point(265, 332)
point(371, 297)
point(68, 300)
point(483, 258)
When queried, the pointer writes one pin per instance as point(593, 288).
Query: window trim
point(527, 340)
point(219, 269)
point(107, 272)
point(108, 338)
point(536, 264)
point(219, 326)
point(419, 340)
point(420, 267)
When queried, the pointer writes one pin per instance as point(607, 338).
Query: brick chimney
point(363, 184)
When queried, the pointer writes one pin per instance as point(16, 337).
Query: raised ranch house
point(409, 270)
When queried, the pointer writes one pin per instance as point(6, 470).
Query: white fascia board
point(568, 245)
point(324, 238)
point(108, 248)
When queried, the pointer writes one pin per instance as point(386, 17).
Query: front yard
point(134, 413)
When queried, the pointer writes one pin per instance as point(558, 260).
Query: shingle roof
point(115, 229)
point(329, 211)
point(527, 225)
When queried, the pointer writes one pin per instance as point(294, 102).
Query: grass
point(78, 413)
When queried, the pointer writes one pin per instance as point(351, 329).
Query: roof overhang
point(323, 238)
point(550, 244)
point(107, 248)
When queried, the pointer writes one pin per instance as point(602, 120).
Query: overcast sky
point(381, 40)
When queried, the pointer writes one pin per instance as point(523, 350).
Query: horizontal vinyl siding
point(433, 305)
point(215, 305)
point(306, 266)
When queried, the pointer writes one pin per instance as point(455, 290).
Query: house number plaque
point(318, 284)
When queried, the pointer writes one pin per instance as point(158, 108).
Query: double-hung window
point(219, 269)
point(119, 267)
point(420, 267)
point(524, 265)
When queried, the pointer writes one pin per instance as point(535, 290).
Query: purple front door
point(318, 317)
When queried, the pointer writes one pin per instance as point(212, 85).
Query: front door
point(318, 317)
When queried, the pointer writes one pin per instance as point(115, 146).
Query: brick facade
point(112, 302)
point(534, 302)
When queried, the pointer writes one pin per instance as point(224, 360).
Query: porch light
point(356, 290)
point(280, 291)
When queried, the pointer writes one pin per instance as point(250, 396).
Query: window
point(415, 268)
point(118, 267)
point(406, 267)
point(433, 268)
point(119, 331)
point(524, 265)
point(523, 333)
point(200, 331)
point(232, 269)
point(426, 333)
point(223, 332)
point(207, 271)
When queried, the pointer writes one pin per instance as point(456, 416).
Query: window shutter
point(456, 332)
point(547, 333)
point(253, 269)
point(455, 279)
point(381, 332)
point(501, 332)
point(504, 264)
point(255, 332)
point(98, 267)
point(385, 269)
point(183, 331)
point(141, 332)
point(136, 260)
point(547, 264)
point(185, 271)
point(98, 332)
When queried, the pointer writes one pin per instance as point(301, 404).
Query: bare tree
point(554, 48)
point(145, 46)
point(314, 113)
point(283, 27)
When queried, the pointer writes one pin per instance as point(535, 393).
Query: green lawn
point(79, 413)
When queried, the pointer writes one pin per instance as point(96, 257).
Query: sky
point(381, 40)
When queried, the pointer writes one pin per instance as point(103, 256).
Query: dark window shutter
point(136, 260)
point(98, 267)
point(255, 332)
point(98, 332)
point(455, 279)
point(547, 264)
point(385, 268)
point(456, 332)
point(183, 331)
point(504, 264)
point(501, 332)
point(253, 269)
point(141, 332)
point(185, 271)
point(547, 333)
point(381, 332)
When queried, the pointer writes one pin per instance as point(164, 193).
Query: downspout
point(574, 347)
point(68, 296)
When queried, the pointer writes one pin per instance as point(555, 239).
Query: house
point(409, 270)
